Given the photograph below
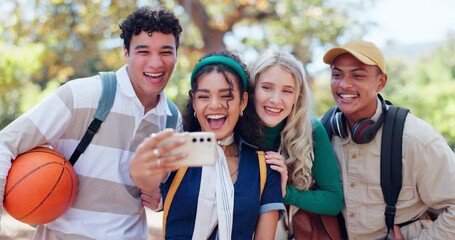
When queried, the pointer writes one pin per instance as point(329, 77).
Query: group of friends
point(266, 106)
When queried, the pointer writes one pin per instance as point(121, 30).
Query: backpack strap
point(262, 171)
point(170, 196)
point(181, 173)
point(391, 160)
point(171, 121)
point(109, 86)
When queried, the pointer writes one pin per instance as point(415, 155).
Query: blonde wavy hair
point(297, 136)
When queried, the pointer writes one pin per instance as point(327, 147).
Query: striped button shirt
point(107, 204)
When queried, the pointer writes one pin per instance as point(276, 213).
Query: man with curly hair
point(108, 204)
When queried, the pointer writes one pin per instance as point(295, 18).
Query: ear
point(244, 101)
point(192, 100)
point(382, 81)
point(125, 53)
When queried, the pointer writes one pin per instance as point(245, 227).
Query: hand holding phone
point(200, 148)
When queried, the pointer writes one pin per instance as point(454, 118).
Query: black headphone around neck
point(363, 131)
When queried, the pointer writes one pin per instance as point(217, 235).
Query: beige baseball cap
point(364, 51)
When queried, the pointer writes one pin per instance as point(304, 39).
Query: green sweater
point(328, 199)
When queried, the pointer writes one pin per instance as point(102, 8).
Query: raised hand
point(277, 163)
point(149, 164)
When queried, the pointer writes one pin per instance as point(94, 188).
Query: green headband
point(221, 60)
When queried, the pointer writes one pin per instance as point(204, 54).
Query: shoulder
point(319, 132)
point(422, 144)
point(82, 85)
point(425, 150)
point(81, 89)
point(419, 131)
point(317, 124)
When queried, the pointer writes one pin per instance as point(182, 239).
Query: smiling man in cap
point(358, 74)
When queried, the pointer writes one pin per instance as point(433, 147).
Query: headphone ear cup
point(338, 123)
point(364, 131)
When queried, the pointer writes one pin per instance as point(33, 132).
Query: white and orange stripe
point(107, 205)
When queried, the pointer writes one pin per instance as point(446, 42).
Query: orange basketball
point(40, 187)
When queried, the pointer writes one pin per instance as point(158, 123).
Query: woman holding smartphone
point(298, 145)
point(223, 201)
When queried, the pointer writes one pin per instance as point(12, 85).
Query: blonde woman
point(298, 146)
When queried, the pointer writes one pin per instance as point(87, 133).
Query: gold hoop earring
point(194, 114)
point(241, 113)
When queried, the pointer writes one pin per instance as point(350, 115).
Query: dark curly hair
point(150, 20)
point(248, 125)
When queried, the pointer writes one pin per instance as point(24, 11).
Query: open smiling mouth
point(273, 110)
point(154, 75)
point(348, 95)
point(216, 121)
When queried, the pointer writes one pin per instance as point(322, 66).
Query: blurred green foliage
point(16, 65)
point(47, 43)
point(78, 38)
point(427, 87)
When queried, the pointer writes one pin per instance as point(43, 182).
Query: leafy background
point(45, 43)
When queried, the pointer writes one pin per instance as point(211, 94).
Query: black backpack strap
point(391, 163)
point(171, 121)
point(109, 86)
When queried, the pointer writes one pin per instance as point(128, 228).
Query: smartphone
point(200, 148)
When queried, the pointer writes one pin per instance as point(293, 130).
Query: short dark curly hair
point(150, 20)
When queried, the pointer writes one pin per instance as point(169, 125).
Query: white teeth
point(348, 95)
point(218, 116)
point(275, 110)
point(153, 74)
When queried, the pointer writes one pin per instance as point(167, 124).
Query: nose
point(216, 103)
point(155, 61)
point(344, 83)
point(275, 97)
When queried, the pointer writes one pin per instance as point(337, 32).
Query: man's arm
point(436, 181)
point(45, 122)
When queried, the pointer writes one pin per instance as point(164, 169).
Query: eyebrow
point(351, 70)
point(288, 86)
point(146, 47)
point(272, 83)
point(141, 46)
point(168, 47)
point(206, 90)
